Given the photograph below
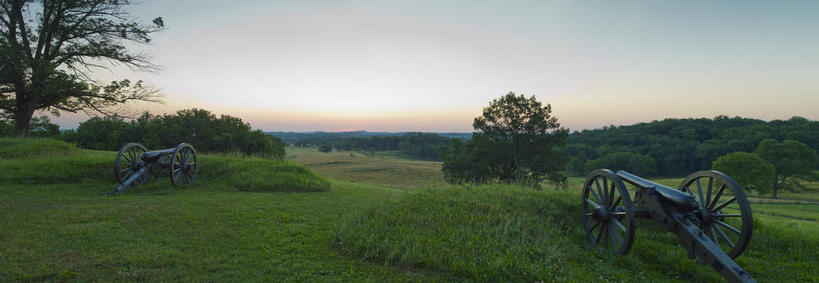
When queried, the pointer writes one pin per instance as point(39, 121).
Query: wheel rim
point(726, 215)
point(128, 161)
point(608, 214)
point(184, 165)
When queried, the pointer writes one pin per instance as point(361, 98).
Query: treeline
point(41, 127)
point(198, 127)
point(315, 139)
point(425, 146)
point(677, 147)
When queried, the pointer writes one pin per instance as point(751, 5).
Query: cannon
point(135, 164)
point(709, 213)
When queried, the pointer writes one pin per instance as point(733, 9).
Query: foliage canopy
point(516, 140)
point(682, 146)
point(49, 49)
point(748, 169)
point(196, 126)
point(791, 159)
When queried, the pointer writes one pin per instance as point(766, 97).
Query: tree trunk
point(775, 185)
point(22, 123)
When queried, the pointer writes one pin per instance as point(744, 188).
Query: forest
point(676, 147)
point(424, 146)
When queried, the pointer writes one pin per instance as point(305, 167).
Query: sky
point(433, 65)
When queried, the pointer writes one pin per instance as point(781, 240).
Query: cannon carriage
point(709, 213)
point(134, 165)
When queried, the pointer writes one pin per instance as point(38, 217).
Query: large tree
point(50, 48)
point(516, 140)
point(791, 160)
point(749, 170)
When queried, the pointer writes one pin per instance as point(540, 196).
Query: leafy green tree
point(516, 140)
point(325, 148)
point(791, 160)
point(49, 49)
point(749, 170)
point(103, 133)
point(196, 126)
point(636, 163)
point(470, 162)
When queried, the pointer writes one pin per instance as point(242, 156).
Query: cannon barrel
point(675, 197)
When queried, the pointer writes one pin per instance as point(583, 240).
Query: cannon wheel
point(608, 214)
point(726, 217)
point(183, 165)
point(129, 161)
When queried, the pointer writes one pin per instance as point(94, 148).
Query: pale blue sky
point(432, 65)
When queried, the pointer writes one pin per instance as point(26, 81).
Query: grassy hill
point(250, 219)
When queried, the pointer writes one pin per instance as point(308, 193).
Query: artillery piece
point(709, 213)
point(135, 164)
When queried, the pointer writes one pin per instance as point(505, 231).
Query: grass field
point(382, 169)
point(366, 218)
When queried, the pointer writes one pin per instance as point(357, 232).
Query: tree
point(42, 127)
point(520, 138)
point(199, 127)
point(103, 133)
point(325, 148)
point(749, 170)
point(49, 48)
point(791, 160)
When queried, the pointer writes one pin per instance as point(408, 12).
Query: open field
point(382, 169)
point(387, 170)
point(56, 225)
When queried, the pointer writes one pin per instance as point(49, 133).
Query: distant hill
point(321, 137)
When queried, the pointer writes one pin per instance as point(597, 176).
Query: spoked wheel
point(725, 214)
point(608, 214)
point(129, 161)
point(183, 165)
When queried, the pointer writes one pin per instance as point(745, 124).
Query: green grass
point(377, 169)
point(361, 219)
point(56, 232)
point(11, 148)
point(499, 233)
point(56, 225)
point(78, 167)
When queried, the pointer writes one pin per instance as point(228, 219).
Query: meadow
point(340, 216)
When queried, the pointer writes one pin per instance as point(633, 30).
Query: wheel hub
point(601, 214)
